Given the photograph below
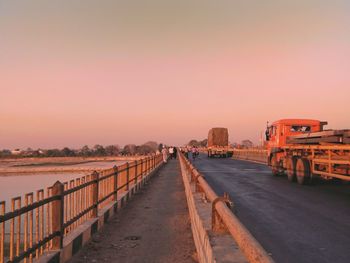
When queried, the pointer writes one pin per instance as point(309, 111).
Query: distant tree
point(152, 145)
point(67, 152)
point(247, 144)
point(203, 143)
point(85, 151)
point(144, 149)
point(5, 153)
point(99, 150)
point(112, 150)
point(193, 143)
point(129, 149)
point(160, 147)
point(51, 153)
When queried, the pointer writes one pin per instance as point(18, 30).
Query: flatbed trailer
point(322, 137)
point(303, 150)
point(303, 162)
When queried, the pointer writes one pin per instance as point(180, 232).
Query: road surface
point(303, 224)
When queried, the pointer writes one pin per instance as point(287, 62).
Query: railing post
point(57, 215)
point(136, 167)
point(142, 168)
point(2, 231)
point(148, 164)
point(115, 187)
point(95, 190)
point(127, 176)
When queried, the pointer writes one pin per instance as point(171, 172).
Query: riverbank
point(9, 167)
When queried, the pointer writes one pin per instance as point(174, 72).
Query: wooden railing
point(41, 223)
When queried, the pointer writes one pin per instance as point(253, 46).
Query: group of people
point(190, 152)
point(170, 152)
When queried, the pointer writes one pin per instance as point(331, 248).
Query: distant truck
point(303, 149)
point(218, 145)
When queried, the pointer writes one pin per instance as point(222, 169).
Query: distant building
point(16, 152)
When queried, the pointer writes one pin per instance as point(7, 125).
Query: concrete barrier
point(256, 155)
point(223, 220)
point(200, 235)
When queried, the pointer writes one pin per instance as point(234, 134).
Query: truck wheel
point(276, 170)
point(291, 168)
point(303, 171)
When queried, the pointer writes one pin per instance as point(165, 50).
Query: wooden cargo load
point(322, 137)
point(218, 137)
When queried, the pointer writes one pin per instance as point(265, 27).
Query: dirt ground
point(153, 227)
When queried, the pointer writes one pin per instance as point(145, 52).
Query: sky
point(77, 72)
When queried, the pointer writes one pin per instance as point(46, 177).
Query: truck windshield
point(300, 128)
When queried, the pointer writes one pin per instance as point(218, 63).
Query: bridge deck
point(153, 227)
point(294, 223)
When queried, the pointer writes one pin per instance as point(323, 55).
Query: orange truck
point(303, 149)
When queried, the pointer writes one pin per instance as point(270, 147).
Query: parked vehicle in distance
point(303, 149)
point(218, 145)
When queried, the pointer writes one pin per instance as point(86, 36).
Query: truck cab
point(277, 133)
point(302, 149)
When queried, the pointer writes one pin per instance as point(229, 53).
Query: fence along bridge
point(41, 222)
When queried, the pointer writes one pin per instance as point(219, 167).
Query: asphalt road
point(292, 222)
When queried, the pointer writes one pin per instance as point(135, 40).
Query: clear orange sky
point(117, 72)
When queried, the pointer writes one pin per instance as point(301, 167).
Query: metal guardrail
point(257, 155)
point(223, 218)
point(64, 207)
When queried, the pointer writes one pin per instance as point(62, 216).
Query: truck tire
point(291, 163)
point(276, 169)
point(303, 171)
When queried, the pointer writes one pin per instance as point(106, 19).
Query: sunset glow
point(116, 72)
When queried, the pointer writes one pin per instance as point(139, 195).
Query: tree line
point(85, 151)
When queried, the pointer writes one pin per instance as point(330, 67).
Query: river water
point(20, 184)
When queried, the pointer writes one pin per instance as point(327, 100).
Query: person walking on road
point(194, 152)
point(171, 152)
point(165, 154)
point(175, 152)
point(185, 152)
point(197, 152)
